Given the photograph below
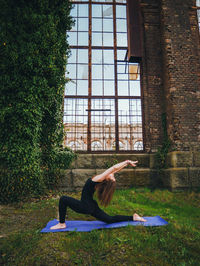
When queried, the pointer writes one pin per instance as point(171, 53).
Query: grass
point(178, 243)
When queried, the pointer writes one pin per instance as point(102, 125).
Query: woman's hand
point(132, 163)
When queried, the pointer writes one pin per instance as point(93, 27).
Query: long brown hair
point(105, 190)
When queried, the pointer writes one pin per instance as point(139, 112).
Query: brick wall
point(152, 75)
point(170, 73)
point(180, 45)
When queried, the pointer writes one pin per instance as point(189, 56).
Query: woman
point(104, 185)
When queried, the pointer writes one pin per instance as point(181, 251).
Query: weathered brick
point(170, 78)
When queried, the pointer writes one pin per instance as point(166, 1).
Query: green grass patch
point(178, 243)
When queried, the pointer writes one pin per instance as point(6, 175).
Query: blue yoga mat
point(86, 226)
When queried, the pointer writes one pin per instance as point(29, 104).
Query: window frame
point(115, 97)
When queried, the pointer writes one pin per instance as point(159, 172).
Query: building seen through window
point(102, 106)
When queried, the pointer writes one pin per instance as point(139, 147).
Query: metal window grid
point(101, 121)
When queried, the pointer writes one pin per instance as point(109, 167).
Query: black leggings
point(86, 208)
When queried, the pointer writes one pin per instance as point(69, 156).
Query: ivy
point(34, 52)
point(161, 154)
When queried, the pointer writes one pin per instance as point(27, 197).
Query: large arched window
point(103, 98)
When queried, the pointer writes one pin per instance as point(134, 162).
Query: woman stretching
point(104, 185)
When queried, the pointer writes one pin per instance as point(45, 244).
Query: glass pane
point(198, 16)
point(122, 76)
point(123, 108)
point(96, 146)
point(96, 39)
point(68, 107)
point(109, 87)
point(97, 24)
point(74, 27)
point(82, 56)
point(96, 56)
point(121, 69)
point(120, 11)
point(70, 88)
point(108, 71)
point(108, 25)
point(121, 25)
point(96, 71)
point(83, 38)
point(82, 71)
point(108, 56)
point(72, 56)
point(108, 39)
point(83, 24)
point(103, 124)
point(107, 11)
point(121, 54)
point(138, 145)
point(72, 71)
point(73, 12)
point(82, 87)
point(97, 87)
point(123, 88)
point(121, 39)
point(83, 10)
point(120, 1)
point(198, 3)
point(97, 10)
point(72, 38)
point(110, 1)
point(75, 119)
point(135, 88)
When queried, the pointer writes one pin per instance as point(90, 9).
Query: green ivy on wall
point(33, 51)
point(161, 154)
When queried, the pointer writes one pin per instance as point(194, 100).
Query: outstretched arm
point(120, 166)
point(114, 169)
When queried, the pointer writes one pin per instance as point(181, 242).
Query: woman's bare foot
point(138, 218)
point(58, 226)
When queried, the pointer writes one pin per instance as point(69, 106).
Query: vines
point(161, 154)
point(33, 53)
